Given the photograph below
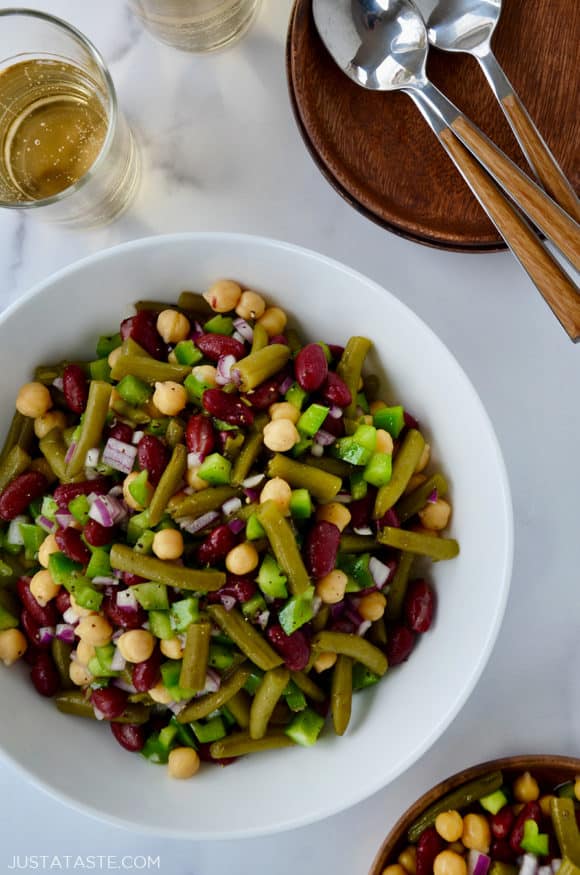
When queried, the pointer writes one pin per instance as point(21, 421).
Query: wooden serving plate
point(379, 154)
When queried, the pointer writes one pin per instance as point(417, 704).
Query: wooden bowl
point(551, 770)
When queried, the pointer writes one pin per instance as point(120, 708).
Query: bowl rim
point(524, 762)
point(372, 787)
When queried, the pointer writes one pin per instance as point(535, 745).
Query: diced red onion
point(363, 530)
point(324, 438)
point(254, 480)
point(545, 870)
point(196, 524)
point(316, 604)
point(285, 385)
point(14, 533)
point(236, 526)
point(335, 411)
point(126, 599)
point(197, 331)
point(237, 336)
point(556, 863)
point(106, 581)
point(212, 681)
point(177, 707)
point(92, 458)
point(115, 492)
point(528, 865)
point(137, 435)
point(262, 619)
point(231, 506)
point(251, 494)
point(117, 634)
point(118, 661)
point(70, 617)
point(228, 601)
point(194, 460)
point(363, 628)
point(58, 383)
point(69, 452)
point(352, 614)
point(391, 519)
point(107, 511)
point(244, 328)
point(45, 523)
point(98, 713)
point(433, 497)
point(226, 373)
point(119, 455)
point(123, 685)
point(317, 450)
point(65, 632)
point(477, 863)
point(380, 572)
point(343, 498)
point(64, 519)
point(45, 634)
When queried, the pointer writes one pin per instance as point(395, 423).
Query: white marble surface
point(221, 152)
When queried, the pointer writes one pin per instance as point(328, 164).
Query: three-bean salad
point(208, 531)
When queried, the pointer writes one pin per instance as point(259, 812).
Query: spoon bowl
point(463, 25)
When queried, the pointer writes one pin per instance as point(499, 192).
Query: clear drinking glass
point(196, 25)
point(66, 151)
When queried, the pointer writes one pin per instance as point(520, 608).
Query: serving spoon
point(467, 26)
point(382, 45)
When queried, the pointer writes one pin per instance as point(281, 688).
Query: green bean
point(248, 455)
point(284, 546)
point(260, 338)
point(455, 801)
point(203, 706)
point(351, 645)
point(398, 586)
point(372, 385)
point(247, 637)
point(378, 633)
point(320, 484)
point(411, 504)
point(149, 369)
point(294, 341)
point(153, 306)
point(47, 374)
point(123, 558)
point(566, 829)
point(266, 698)
point(567, 867)
point(239, 744)
point(136, 415)
point(15, 463)
point(53, 448)
point(61, 655)
point(417, 542)
point(357, 543)
point(258, 366)
point(308, 687)
point(350, 366)
point(499, 868)
point(195, 657)
point(331, 466)
point(341, 693)
point(320, 621)
point(175, 432)
point(194, 304)
point(281, 715)
point(168, 484)
point(239, 707)
point(21, 433)
point(74, 702)
point(233, 445)
point(201, 502)
point(404, 464)
point(94, 419)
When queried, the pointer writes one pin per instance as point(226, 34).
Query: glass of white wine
point(196, 25)
point(65, 149)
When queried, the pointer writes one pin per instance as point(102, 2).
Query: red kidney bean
point(322, 543)
point(410, 420)
point(44, 675)
point(530, 811)
point(199, 435)
point(75, 388)
point(128, 618)
point(239, 588)
point(343, 625)
point(279, 338)
point(131, 579)
point(294, 648)
point(18, 494)
point(419, 606)
point(31, 628)
point(142, 328)
point(335, 390)
point(214, 346)
point(97, 535)
point(110, 701)
point(429, 845)
point(227, 407)
point(131, 736)
point(335, 351)
point(501, 851)
point(65, 493)
point(266, 394)
point(334, 426)
point(389, 518)
point(31, 654)
point(120, 431)
point(42, 616)
point(501, 823)
point(70, 542)
point(216, 545)
point(146, 674)
point(311, 367)
point(399, 645)
point(361, 510)
point(62, 601)
point(153, 456)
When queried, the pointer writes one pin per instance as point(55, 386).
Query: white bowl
point(78, 761)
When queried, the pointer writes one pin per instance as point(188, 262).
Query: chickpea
point(281, 435)
point(33, 400)
point(273, 320)
point(394, 869)
point(372, 606)
point(206, 374)
point(476, 833)
point(136, 645)
point(223, 295)
point(324, 661)
point(408, 859)
point(85, 652)
point(546, 804)
point(12, 646)
point(415, 481)
point(95, 630)
point(449, 863)
point(168, 544)
point(336, 513)
point(160, 694)
point(384, 442)
point(80, 612)
point(43, 587)
point(169, 397)
point(251, 305)
point(278, 491)
point(284, 410)
point(114, 356)
point(171, 648)
point(47, 547)
point(173, 326)
point(331, 587)
point(129, 499)
point(449, 825)
point(436, 515)
point(577, 787)
point(195, 482)
point(526, 788)
point(48, 421)
point(375, 406)
point(183, 762)
point(242, 559)
point(79, 674)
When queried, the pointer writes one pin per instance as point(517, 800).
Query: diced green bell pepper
point(187, 353)
point(79, 507)
point(184, 733)
point(138, 489)
point(326, 350)
point(220, 325)
point(49, 508)
point(254, 606)
point(63, 570)
point(271, 579)
point(154, 751)
point(301, 504)
point(183, 613)
point(363, 677)
point(220, 657)
point(100, 370)
point(107, 343)
point(358, 485)
point(195, 388)
point(33, 536)
point(296, 395)
point(356, 567)
point(348, 450)
point(379, 469)
point(160, 625)
point(305, 727)
point(87, 597)
point(167, 736)
point(158, 427)
point(303, 444)
point(215, 470)
point(494, 802)
point(99, 563)
point(138, 524)
point(312, 419)
point(295, 698)
point(361, 400)
point(145, 543)
point(133, 390)
point(254, 529)
point(97, 670)
point(535, 842)
point(151, 596)
point(209, 730)
point(391, 419)
point(254, 681)
point(297, 611)
point(105, 655)
point(170, 671)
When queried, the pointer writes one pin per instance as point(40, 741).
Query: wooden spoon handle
point(547, 216)
point(554, 284)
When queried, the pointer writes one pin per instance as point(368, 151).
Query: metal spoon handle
point(557, 225)
point(553, 283)
point(530, 139)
